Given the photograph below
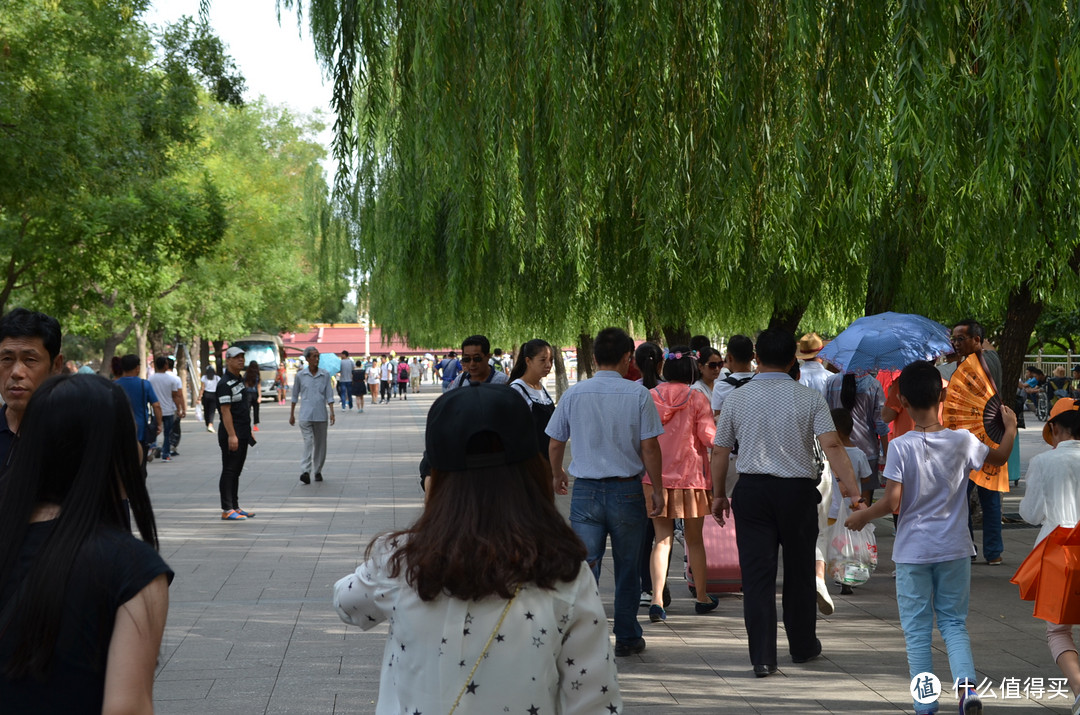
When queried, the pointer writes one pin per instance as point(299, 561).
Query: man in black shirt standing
point(234, 436)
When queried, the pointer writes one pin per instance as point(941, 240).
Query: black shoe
point(318, 476)
point(700, 607)
point(764, 671)
point(807, 658)
point(305, 478)
point(630, 648)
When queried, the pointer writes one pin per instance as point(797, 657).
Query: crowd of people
point(757, 438)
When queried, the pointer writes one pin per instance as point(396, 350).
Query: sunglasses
point(714, 365)
point(466, 360)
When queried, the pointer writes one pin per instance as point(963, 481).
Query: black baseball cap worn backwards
point(470, 410)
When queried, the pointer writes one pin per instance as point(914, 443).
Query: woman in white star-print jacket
point(489, 530)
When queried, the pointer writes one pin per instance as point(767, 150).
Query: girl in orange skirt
point(688, 431)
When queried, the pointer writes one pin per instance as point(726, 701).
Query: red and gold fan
point(973, 404)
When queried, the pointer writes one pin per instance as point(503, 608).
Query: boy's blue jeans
point(941, 589)
point(345, 392)
point(599, 508)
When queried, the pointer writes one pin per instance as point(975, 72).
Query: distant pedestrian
point(449, 368)
point(234, 438)
point(415, 372)
point(252, 379)
point(402, 379)
point(168, 389)
point(312, 385)
point(359, 384)
point(386, 380)
point(208, 396)
point(373, 380)
point(144, 404)
point(490, 609)
point(344, 380)
point(281, 383)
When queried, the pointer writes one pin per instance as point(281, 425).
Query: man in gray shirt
point(614, 425)
point(344, 380)
point(313, 385)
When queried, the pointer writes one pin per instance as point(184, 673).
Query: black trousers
point(209, 405)
point(232, 463)
point(771, 512)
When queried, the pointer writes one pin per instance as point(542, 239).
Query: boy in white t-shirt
point(933, 550)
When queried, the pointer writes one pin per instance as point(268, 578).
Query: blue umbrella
point(330, 362)
point(887, 341)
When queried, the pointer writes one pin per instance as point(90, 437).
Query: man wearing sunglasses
point(476, 359)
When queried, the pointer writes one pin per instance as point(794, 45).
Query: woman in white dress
point(490, 603)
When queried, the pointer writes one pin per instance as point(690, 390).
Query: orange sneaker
point(232, 515)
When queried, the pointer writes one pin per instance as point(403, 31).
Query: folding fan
point(971, 403)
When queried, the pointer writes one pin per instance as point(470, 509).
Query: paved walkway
point(251, 628)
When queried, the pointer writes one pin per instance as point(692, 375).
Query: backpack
point(403, 372)
point(736, 383)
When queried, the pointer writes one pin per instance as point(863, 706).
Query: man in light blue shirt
point(614, 425)
point(313, 384)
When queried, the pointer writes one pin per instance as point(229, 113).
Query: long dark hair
point(848, 392)
point(648, 357)
point(251, 374)
point(529, 350)
point(486, 531)
point(683, 369)
point(85, 463)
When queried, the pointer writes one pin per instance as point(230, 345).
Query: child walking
point(932, 550)
point(844, 427)
point(1053, 499)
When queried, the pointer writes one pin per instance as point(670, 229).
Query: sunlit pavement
point(251, 628)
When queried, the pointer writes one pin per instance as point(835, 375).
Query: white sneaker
point(209, 428)
point(646, 600)
point(824, 600)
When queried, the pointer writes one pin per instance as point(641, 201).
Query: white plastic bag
point(198, 413)
point(851, 555)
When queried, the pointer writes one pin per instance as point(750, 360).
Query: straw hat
point(809, 346)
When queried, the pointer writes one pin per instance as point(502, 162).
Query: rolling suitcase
point(722, 557)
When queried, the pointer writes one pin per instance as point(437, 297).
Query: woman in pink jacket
point(688, 431)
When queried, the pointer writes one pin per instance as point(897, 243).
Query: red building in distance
point(354, 337)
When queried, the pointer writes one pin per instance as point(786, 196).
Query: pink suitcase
point(722, 556)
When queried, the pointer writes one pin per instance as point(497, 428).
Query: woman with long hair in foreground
point(490, 603)
point(82, 602)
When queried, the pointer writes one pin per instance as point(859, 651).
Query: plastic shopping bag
point(198, 413)
point(851, 555)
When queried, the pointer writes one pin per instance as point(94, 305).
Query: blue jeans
point(991, 509)
point(616, 508)
point(166, 435)
point(941, 589)
point(345, 391)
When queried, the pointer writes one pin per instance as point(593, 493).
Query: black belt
point(618, 479)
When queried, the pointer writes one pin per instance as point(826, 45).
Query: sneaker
point(210, 428)
point(646, 599)
point(994, 562)
point(305, 478)
point(970, 702)
point(629, 647)
point(245, 514)
point(700, 607)
point(166, 459)
point(657, 613)
point(824, 600)
point(232, 515)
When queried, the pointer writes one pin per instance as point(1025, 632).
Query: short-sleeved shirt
point(165, 384)
point(721, 389)
point(346, 372)
point(775, 420)
point(933, 468)
point(862, 470)
point(141, 394)
point(450, 368)
point(232, 394)
point(373, 374)
point(867, 425)
point(110, 569)
point(607, 417)
point(317, 393)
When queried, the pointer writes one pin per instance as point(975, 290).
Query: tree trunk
point(561, 383)
point(157, 341)
point(112, 342)
point(676, 335)
point(181, 370)
point(584, 356)
point(787, 319)
point(141, 347)
point(204, 355)
point(654, 332)
point(1020, 317)
point(219, 365)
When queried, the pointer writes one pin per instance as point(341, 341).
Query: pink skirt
point(682, 503)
